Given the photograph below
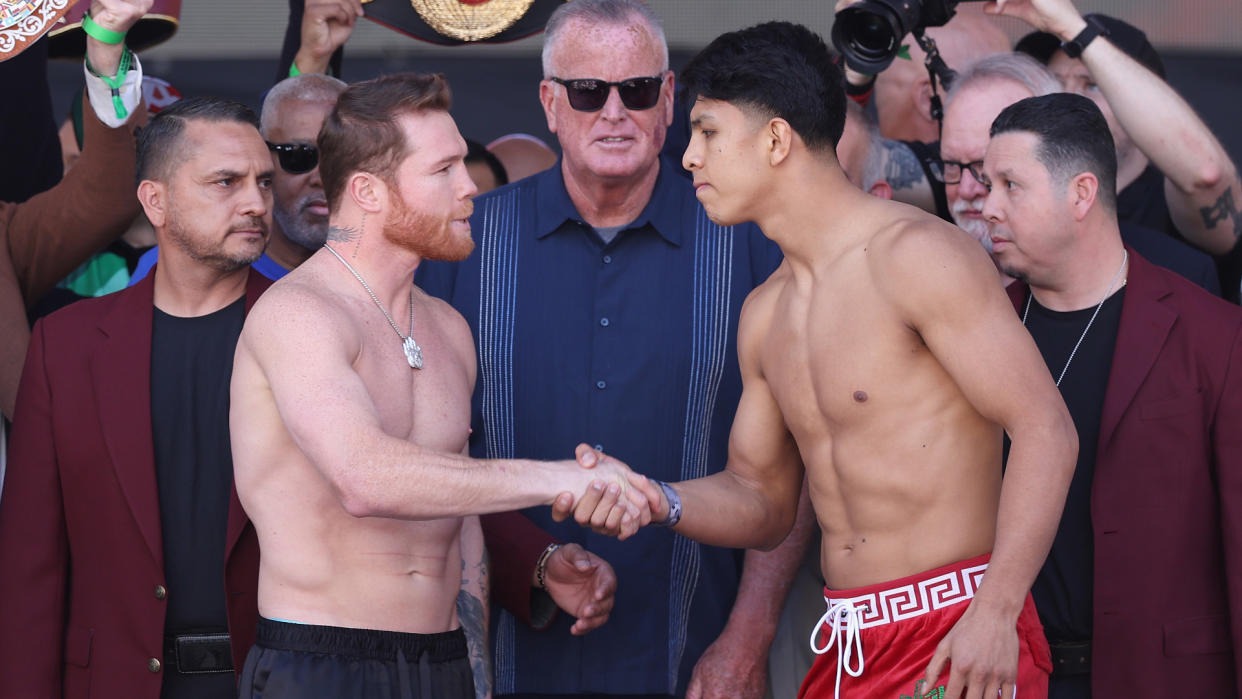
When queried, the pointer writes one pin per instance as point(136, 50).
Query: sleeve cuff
point(100, 95)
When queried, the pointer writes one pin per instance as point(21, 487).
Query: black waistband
point(360, 643)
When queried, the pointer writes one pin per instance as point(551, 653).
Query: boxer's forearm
point(757, 516)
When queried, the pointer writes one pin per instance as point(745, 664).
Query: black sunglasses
point(590, 94)
point(295, 158)
point(950, 172)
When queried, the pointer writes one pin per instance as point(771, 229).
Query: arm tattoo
point(472, 613)
point(344, 234)
point(1223, 210)
point(901, 168)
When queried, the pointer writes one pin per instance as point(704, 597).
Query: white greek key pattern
point(916, 599)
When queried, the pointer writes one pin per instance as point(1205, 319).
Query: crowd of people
point(769, 380)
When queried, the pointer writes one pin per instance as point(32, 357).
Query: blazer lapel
point(1145, 327)
point(121, 372)
point(256, 284)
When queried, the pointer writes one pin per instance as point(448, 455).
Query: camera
point(869, 33)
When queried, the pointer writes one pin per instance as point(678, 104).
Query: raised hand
point(118, 16)
point(582, 584)
point(326, 26)
point(1058, 17)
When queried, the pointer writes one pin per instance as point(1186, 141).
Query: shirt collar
point(662, 212)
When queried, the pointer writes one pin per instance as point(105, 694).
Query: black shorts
point(303, 661)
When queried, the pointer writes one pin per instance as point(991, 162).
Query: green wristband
point(103, 34)
point(293, 70)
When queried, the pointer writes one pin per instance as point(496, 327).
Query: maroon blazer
point(1166, 501)
point(81, 553)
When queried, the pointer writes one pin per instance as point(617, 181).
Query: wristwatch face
point(23, 22)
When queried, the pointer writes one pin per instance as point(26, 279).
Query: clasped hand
point(615, 501)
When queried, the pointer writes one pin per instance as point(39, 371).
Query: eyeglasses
point(590, 94)
point(950, 172)
point(295, 158)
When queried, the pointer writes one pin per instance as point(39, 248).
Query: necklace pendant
point(413, 353)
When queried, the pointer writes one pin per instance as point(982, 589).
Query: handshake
point(615, 500)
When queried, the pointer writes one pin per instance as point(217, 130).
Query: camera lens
point(869, 34)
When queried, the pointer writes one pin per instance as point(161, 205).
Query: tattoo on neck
point(1223, 210)
point(344, 234)
point(362, 228)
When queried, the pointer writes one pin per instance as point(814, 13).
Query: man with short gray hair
point(559, 293)
point(980, 92)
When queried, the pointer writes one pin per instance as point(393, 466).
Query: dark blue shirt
point(629, 346)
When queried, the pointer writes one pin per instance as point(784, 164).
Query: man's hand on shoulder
point(982, 652)
point(582, 584)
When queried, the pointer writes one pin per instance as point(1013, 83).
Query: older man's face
point(967, 121)
point(615, 143)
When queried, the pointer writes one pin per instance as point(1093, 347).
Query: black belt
point(1071, 657)
point(198, 653)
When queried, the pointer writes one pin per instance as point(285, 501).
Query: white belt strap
point(843, 616)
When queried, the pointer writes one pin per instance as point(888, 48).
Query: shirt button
point(607, 259)
point(153, 665)
point(601, 384)
point(603, 322)
point(160, 592)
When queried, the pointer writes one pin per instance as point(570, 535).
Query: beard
point(299, 226)
point(425, 235)
point(214, 254)
point(978, 229)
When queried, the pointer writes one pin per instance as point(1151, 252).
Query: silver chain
point(376, 298)
point(1125, 256)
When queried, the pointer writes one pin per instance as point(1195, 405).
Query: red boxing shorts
point(883, 636)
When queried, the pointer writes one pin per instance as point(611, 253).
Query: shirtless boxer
point(883, 356)
point(350, 411)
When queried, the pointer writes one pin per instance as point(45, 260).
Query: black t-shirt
point(1142, 203)
point(191, 365)
point(1062, 590)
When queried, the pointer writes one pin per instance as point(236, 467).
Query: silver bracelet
point(541, 568)
point(674, 505)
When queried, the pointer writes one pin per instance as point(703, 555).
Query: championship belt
point(453, 22)
point(67, 40)
point(22, 22)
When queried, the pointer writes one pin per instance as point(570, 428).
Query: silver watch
point(674, 506)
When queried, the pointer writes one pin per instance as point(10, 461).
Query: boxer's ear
point(778, 139)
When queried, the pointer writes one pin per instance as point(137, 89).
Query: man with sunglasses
point(604, 305)
point(293, 112)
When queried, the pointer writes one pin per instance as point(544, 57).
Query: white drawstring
point(842, 613)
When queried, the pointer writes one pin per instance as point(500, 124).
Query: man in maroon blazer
point(1141, 594)
point(125, 558)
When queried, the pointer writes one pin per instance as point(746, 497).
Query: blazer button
point(160, 592)
point(153, 665)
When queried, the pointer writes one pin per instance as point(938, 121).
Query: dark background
point(496, 96)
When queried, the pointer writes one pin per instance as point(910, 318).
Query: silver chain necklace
point(413, 353)
point(1125, 256)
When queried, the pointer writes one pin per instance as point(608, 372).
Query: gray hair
point(308, 87)
point(1017, 67)
point(612, 12)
